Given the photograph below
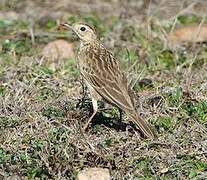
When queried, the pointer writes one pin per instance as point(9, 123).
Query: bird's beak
point(66, 26)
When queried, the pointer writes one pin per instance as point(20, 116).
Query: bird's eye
point(82, 28)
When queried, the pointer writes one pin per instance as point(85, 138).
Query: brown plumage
point(103, 76)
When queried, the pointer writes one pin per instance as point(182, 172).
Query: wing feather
point(111, 91)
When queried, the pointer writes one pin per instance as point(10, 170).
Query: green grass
point(52, 112)
point(197, 110)
point(70, 68)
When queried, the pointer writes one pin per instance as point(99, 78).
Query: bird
point(103, 76)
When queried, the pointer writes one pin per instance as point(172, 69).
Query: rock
point(58, 49)
point(55, 52)
point(187, 34)
point(94, 174)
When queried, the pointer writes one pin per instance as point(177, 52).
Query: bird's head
point(83, 31)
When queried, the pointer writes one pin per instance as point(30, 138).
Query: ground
point(42, 108)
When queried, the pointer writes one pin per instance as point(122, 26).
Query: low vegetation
point(42, 109)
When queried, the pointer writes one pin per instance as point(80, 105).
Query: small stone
point(94, 174)
point(164, 170)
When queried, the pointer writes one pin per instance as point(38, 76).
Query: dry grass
point(42, 110)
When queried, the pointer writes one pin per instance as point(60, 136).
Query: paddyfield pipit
point(103, 76)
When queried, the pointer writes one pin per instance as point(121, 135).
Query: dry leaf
point(94, 174)
point(189, 34)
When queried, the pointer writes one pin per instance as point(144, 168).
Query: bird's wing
point(104, 75)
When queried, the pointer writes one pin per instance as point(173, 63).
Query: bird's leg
point(120, 114)
point(120, 123)
point(95, 109)
point(81, 101)
point(84, 93)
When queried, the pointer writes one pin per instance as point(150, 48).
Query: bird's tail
point(142, 124)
